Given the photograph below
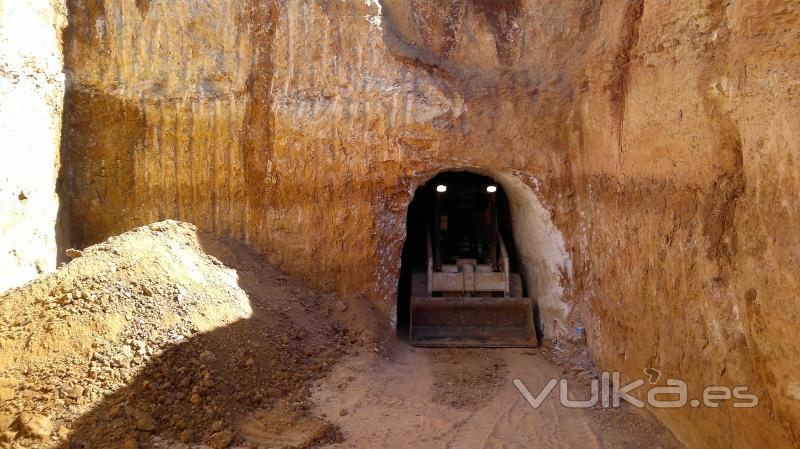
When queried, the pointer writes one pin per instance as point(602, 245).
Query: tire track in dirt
point(458, 399)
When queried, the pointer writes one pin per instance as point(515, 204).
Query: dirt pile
point(147, 340)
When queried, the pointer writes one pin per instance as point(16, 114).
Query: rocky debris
point(6, 394)
point(63, 432)
point(221, 440)
point(7, 389)
point(5, 422)
point(573, 357)
point(7, 436)
point(145, 422)
point(73, 253)
point(34, 426)
point(131, 347)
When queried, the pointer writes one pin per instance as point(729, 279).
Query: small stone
point(221, 440)
point(207, 357)
point(342, 412)
point(186, 436)
point(77, 392)
point(73, 253)
point(8, 382)
point(62, 432)
point(127, 352)
point(114, 411)
point(216, 426)
point(35, 426)
point(5, 422)
point(65, 299)
point(250, 362)
point(130, 443)
point(7, 436)
point(340, 306)
point(140, 347)
point(6, 394)
point(145, 422)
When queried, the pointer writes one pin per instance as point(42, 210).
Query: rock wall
point(689, 186)
point(648, 150)
point(31, 99)
point(154, 114)
point(303, 127)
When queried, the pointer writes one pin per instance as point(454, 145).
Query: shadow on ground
point(248, 381)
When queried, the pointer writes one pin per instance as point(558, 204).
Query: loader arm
point(505, 265)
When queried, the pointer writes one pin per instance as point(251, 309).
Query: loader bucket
point(472, 322)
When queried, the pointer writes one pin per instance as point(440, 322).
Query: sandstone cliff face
point(691, 186)
point(31, 99)
point(648, 149)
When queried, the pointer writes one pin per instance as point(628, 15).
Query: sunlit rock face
point(648, 149)
point(304, 127)
point(31, 99)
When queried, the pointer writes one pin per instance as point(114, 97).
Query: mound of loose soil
point(165, 337)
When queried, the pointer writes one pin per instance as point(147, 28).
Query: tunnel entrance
point(460, 247)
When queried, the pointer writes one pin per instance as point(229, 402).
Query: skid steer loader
point(468, 296)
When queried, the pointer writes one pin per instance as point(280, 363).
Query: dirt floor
point(164, 337)
point(465, 398)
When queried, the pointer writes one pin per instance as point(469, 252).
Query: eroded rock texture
point(31, 99)
point(648, 148)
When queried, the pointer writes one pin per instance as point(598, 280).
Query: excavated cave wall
point(31, 99)
point(648, 148)
point(689, 181)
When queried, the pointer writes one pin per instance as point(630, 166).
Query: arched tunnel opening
point(459, 218)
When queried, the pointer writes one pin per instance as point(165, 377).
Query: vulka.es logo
point(610, 393)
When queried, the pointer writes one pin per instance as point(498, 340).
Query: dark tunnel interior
point(466, 230)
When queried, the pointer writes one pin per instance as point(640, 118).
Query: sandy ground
point(442, 398)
